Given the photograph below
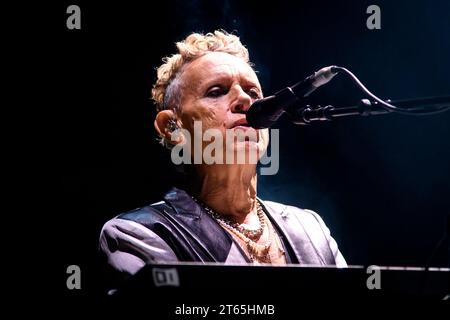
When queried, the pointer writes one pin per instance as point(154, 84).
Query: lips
point(241, 124)
point(243, 128)
point(244, 133)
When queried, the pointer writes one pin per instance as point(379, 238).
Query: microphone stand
point(366, 107)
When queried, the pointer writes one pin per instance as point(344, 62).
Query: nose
point(241, 100)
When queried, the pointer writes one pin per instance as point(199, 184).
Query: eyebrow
point(215, 78)
point(223, 76)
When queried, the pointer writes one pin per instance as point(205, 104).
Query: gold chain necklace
point(259, 252)
point(252, 233)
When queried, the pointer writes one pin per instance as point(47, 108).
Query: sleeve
point(128, 246)
point(338, 257)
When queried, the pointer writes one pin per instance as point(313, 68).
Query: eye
point(253, 93)
point(216, 91)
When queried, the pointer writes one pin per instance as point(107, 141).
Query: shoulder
point(128, 242)
point(291, 212)
point(133, 224)
point(146, 215)
point(306, 228)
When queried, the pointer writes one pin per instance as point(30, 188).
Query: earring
point(172, 125)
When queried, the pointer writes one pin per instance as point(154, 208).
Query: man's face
point(217, 89)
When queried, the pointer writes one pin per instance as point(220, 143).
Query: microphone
point(263, 113)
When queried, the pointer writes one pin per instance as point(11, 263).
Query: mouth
point(241, 127)
point(241, 124)
point(243, 132)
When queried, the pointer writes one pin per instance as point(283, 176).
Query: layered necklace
point(248, 235)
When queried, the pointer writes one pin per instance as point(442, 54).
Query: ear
point(162, 126)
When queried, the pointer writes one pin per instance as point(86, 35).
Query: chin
point(256, 149)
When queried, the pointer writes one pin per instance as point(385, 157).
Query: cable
point(385, 104)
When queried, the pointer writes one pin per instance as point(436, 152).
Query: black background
point(381, 183)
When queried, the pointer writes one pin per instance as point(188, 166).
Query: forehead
point(218, 64)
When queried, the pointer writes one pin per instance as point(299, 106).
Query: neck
point(229, 190)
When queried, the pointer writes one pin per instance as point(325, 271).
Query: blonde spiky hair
point(165, 92)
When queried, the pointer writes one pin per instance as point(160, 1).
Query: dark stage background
point(381, 183)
